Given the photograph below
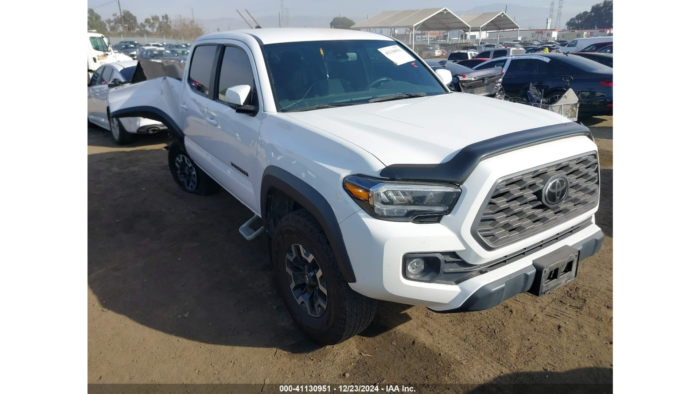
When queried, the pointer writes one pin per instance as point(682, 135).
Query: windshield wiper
point(320, 106)
point(398, 96)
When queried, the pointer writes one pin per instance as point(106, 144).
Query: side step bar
point(247, 232)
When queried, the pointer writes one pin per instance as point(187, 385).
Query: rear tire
point(187, 174)
point(119, 134)
point(308, 279)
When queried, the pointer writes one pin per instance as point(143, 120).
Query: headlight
point(402, 201)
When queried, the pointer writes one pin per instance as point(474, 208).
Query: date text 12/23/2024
point(346, 388)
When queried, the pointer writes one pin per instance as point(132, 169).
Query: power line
point(113, 1)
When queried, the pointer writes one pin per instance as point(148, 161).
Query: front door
point(235, 134)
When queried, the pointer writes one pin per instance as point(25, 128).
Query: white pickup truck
point(100, 52)
point(356, 160)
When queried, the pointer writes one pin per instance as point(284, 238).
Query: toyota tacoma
point(353, 156)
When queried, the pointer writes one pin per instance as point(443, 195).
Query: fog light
point(415, 267)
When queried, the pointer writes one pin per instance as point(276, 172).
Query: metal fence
point(147, 39)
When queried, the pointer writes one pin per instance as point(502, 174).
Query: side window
point(235, 70)
point(98, 44)
point(498, 63)
point(201, 69)
point(588, 48)
point(500, 53)
point(484, 55)
point(107, 75)
point(554, 69)
point(97, 77)
point(572, 43)
point(523, 67)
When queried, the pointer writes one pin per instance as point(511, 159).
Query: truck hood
point(425, 130)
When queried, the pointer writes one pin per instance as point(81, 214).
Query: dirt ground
point(176, 295)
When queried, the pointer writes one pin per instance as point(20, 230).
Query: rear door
point(520, 74)
point(196, 95)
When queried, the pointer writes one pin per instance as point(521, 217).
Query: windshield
point(308, 75)
point(458, 56)
point(99, 44)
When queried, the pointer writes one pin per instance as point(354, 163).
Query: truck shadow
point(176, 263)
point(577, 381)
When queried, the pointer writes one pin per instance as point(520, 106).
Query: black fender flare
point(151, 113)
point(309, 198)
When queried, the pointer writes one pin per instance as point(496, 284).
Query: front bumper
point(520, 281)
point(376, 251)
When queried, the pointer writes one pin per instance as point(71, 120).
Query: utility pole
point(121, 17)
point(561, 5)
point(192, 9)
point(551, 10)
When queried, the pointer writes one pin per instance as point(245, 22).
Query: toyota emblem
point(555, 191)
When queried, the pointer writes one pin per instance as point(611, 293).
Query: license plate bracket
point(554, 270)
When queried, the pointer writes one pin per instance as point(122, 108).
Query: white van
point(100, 53)
point(580, 43)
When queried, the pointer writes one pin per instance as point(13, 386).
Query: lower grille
point(515, 211)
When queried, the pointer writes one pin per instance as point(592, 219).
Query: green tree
point(131, 23)
point(95, 22)
point(341, 22)
point(164, 26)
point(600, 16)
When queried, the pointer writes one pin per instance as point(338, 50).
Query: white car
point(105, 80)
point(459, 55)
point(329, 137)
point(580, 43)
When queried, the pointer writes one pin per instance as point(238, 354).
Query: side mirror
point(115, 82)
point(444, 75)
point(236, 96)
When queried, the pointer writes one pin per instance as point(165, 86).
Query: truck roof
point(278, 35)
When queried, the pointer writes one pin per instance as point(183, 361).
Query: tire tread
point(359, 310)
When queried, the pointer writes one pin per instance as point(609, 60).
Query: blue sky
point(212, 9)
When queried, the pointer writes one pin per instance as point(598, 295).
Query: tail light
point(607, 83)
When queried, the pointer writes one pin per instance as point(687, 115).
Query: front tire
point(188, 175)
point(308, 279)
point(119, 134)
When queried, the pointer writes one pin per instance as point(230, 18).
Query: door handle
point(212, 121)
point(183, 106)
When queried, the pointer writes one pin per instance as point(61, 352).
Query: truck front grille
point(515, 210)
